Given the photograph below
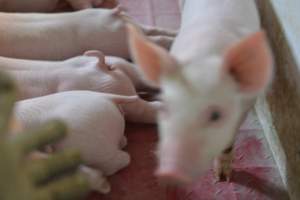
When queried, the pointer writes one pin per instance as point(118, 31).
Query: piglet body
point(39, 78)
point(61, 36)
point(219, 62)
point(86, 72)
point(95, 125)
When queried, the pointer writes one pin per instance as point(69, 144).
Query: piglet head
point(204, 104)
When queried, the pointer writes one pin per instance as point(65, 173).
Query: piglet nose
point(172, 177)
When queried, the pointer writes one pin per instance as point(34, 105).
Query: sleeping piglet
point(95, 124)
point(87, 72)
point(61, 36)
point(219, 63)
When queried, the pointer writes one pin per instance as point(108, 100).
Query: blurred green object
point(54, 177)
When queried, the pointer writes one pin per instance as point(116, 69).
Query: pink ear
point(151, 58)
point(250, 63)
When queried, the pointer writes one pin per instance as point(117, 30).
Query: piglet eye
point(215, 116)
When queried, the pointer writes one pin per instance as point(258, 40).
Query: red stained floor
point(255, 175)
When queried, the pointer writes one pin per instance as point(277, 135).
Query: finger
point(49, 133)
point(68, 188)
point(7, 100)
point(43, 170)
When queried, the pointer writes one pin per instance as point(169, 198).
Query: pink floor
point(255, 175)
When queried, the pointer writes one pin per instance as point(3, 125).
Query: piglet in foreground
point(86, 72)
point(219, 63)
point(95, 124)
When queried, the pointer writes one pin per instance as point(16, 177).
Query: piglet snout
point(178, 161)
point(172, 176)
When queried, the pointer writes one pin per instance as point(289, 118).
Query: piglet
point(219, 63)
point(111, 62)
point(51, 5)
point(87, 72)
point(95, 124)
point(61, 36)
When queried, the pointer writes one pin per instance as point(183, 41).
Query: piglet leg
point(136, 109)
point(223, 165)
point(118, 162)
point(96, 179)
point(160, 36)
point(142, 111)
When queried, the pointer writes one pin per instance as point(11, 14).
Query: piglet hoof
point(96, 180)
point(223, 167)
point(120, 161)
point(101, 186)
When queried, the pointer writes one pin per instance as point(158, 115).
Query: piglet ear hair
point(153, 60)
point(250, 63)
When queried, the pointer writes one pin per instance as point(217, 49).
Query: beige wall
point(279, 110)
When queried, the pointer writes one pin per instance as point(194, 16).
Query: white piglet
point(90, 72)
point(219, 63)
point(95, 124)
point(59, 36)
point(16, 67)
